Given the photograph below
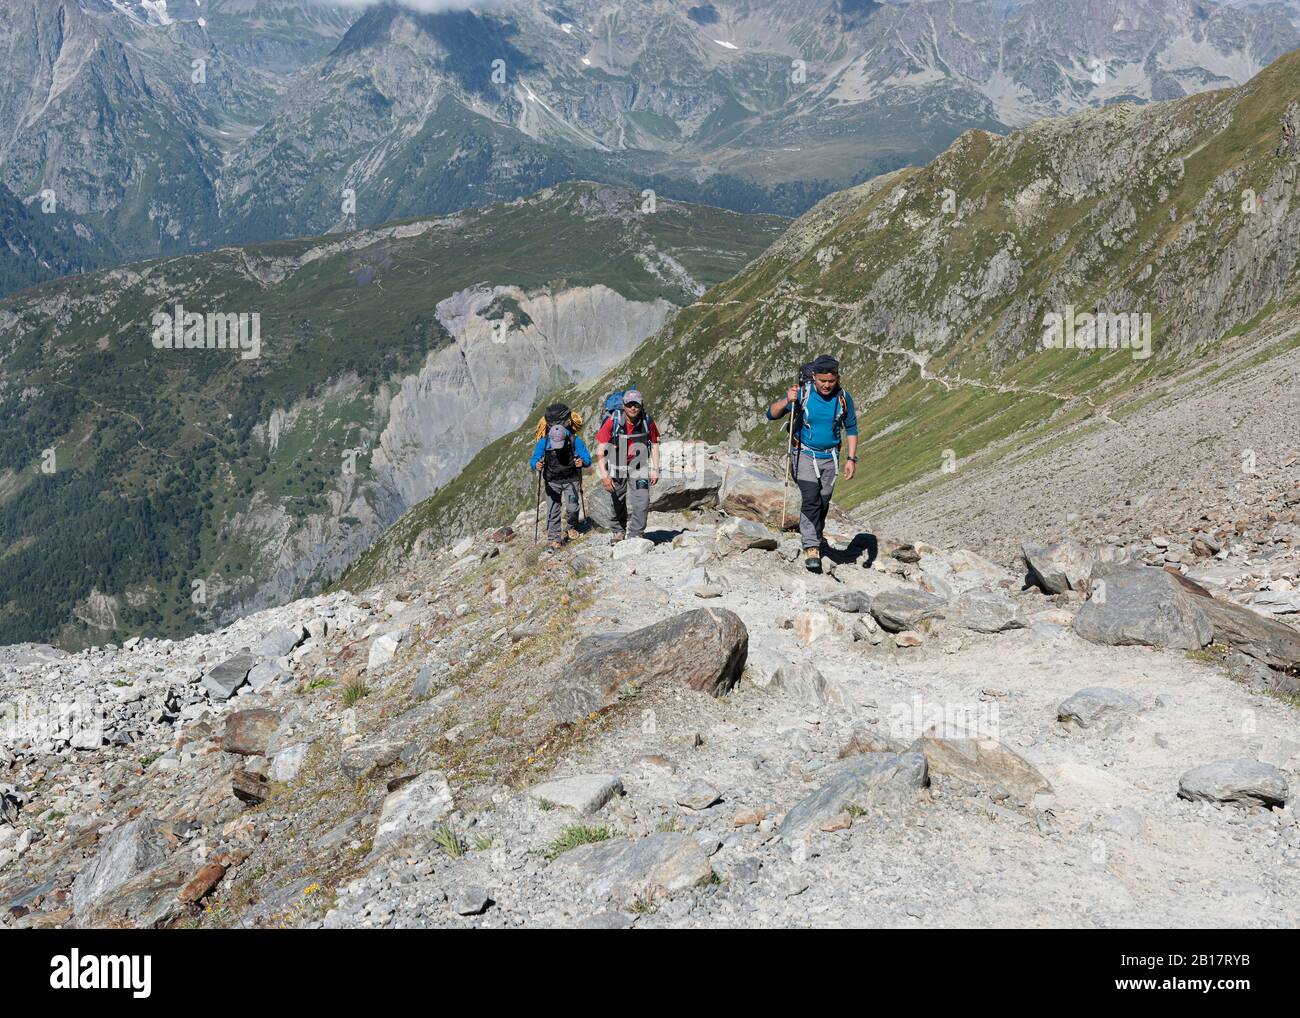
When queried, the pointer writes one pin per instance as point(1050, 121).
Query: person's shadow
point(861, 543)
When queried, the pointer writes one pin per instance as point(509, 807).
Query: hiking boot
point(573, 534)
point(555, 545)
point(617, 536)
point(812, 560)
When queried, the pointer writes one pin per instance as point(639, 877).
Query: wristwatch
point(852, 459)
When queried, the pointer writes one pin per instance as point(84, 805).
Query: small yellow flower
point(310, 889)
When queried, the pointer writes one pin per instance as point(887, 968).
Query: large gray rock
point(749, 492)
point(873, 778)
point(280, 642)
point(739, 534)
point(906, 608)
point(851, 601)
point(802, 681)
point(364, 758)
point(648, 868)
point(1247, 782)
point(413, 811)
point(988, 611)
point(1089, 707)
point(677, 491)
point(134, 848)
point(223, 679)
point(266, 672)
point(583, 793)
point(1274, 643)
point(704, 649)
point(599, 505)
point(1143, 607)
point(1057, 568)
point(984, 762)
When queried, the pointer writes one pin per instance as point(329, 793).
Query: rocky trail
point(689, 730)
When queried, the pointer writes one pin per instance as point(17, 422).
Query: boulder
point(905, 608)
point(1144, 607)
point(413, 811)
point(802, 681)
point(738, 534)
point(698, 795)
point(582, 793)
point(249, 787)
point(249, 732)
point(221, 680)
point(265, 672)
point(647, 868)
point(633, 547)
point(286, 764)
point(383, 648)
point(703, 649)
point(851, 601)
point(599, 505)
point(469, 900)
point(1089, 707)
point(988, 611)
point(280, 642)
point(984, 762)
point(364, 758)
point(1242, 781)
point(132, 849)
point(870, 779)
point(810, 627)
point(756, 495)
point(1056, 568)
point(677, 491)
point(1265, 639)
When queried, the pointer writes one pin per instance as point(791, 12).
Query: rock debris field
point(687, 730)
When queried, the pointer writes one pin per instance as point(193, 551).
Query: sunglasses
point(632, 406)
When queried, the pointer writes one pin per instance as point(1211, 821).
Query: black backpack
point(560, 463)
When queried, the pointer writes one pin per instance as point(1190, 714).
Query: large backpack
point(805, 391)
point(613, 407)
point(559, 422)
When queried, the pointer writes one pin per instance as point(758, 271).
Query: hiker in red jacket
point(627, 461)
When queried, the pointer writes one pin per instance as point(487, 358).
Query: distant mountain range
point(169, 127)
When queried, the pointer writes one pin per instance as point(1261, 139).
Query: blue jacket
point(580, 453)
point(820, 435)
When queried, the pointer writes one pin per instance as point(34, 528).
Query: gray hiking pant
point(816, 481)
point(561, 502)
point(631, 505)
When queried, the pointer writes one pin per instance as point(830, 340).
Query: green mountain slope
point(932, 286)
point(167, 489)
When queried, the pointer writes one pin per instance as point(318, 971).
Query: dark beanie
point(826, 364)
point(557, 413)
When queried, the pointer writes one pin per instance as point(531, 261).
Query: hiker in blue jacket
point(560, 455)
point(823, 413)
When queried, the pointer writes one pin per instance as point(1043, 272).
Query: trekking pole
point(791, 452)
point(537, 511)
point(582, 499)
